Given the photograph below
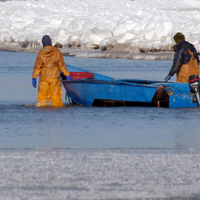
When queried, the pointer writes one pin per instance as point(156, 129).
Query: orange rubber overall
point(48, 65)
point(188, 69)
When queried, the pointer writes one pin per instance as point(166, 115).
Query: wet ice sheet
point(24, 126)
point(99, 173)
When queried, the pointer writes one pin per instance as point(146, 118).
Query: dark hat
point(46, 41)
point(179, 37)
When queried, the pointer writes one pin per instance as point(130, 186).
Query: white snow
point(119, 25)
point(45, 174)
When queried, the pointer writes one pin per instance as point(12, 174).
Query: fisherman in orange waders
point(186, 60)
point(49, 63)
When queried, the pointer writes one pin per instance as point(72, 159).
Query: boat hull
point(105, 91)
point(108, 93)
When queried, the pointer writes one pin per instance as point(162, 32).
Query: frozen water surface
point(99, 174)
point(79, 152)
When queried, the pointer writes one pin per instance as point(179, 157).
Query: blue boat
point(94, 89)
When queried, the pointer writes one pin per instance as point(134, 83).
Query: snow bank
point(132, 26)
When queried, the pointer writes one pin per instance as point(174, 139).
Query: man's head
point(179, 37)
point(46, 41)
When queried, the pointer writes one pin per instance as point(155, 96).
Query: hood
point(48, 51)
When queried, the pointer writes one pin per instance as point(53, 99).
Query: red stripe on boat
point(81, 75)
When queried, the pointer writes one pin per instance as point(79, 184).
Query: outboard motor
point(194, 83)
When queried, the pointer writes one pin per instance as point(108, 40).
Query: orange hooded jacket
point(48, 64)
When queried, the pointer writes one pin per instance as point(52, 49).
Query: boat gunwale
point(115, 82)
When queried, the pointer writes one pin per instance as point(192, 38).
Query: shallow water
point(79, 152)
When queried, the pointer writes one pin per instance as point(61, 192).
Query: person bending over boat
point(48, 64)
point(186, 60)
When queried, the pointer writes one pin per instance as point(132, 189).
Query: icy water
point(79, 152)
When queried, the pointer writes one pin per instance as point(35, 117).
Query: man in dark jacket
point(186, 60)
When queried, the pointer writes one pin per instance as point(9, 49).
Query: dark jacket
point(182, 56)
